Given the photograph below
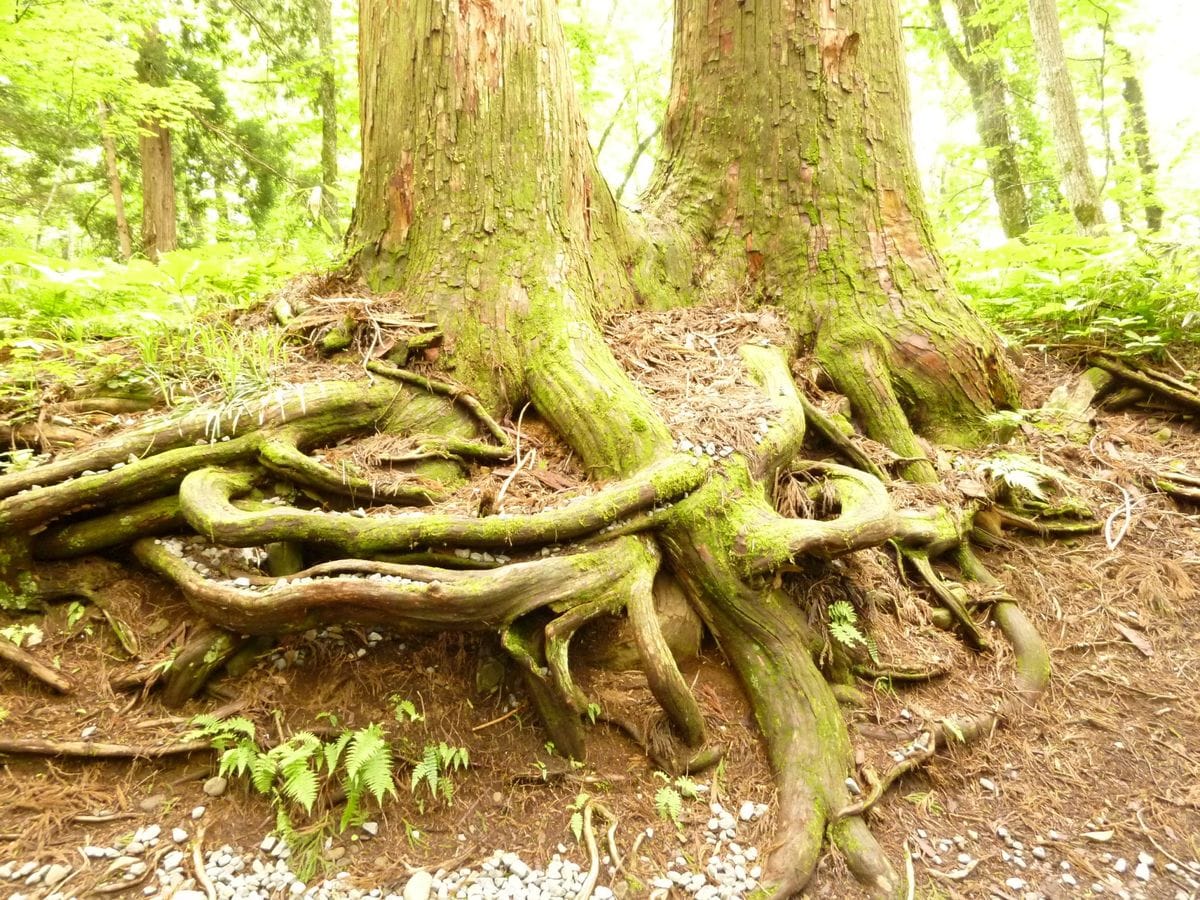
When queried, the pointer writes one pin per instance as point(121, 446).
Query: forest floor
point(1096, 790)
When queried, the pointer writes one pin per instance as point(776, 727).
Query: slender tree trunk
point(124, 242)
point(1137, 136)
point(1079, 186)
point(327, 101)
point(158, 169)
point(985, 80)
point(788, 160)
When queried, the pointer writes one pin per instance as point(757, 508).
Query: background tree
point(974, 57)
point(1075, 172)
point(157, 160)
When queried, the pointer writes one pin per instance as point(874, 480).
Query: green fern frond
point(262, 772)
point(364, 743)
point(376, 774)
point(301, 786)
point(334, 749)
point(668, 803)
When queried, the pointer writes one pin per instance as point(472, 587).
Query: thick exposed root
point(403, 598)
point(867, 519)
point(1177, 392)
point(207, 498)
point(710, 527)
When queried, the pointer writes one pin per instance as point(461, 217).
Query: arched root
point(864, 378)
point(403, 598)
point(114, 529)
point(951, 596)
point(283, 457)
point(558, 634)
point(207, 497)
point(666, 681)
point(525, 642)
point(209, 428)
point(867, 519)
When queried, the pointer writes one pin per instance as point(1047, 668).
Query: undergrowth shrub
point(1115, 292)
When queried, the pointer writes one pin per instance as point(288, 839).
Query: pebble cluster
point(1040, 869)
point(730, 871)
point(153, 860)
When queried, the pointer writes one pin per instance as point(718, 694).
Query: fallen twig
point(96, 750)
point(198, 861)
point(34, 667)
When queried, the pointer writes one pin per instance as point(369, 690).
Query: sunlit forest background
point(252, 92)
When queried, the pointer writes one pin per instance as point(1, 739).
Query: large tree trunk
point(327, 102)
point(158, 168)
point(984, 75)
point(788, 160)
point(1079, 186)
point(124, 242)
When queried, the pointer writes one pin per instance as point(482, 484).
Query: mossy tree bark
point(789, 177)
point(322, 16)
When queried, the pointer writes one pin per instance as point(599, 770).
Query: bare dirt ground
point(1060, 803)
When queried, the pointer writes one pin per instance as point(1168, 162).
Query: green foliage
point(844, 628)
point(293, 774)
point(166, 326)
point(404, 710)
point(436, 768)
point(1021, 475)
point(576, 809)
point(22, 635)
point(668, 803)
point(668, 800)
point(1111, 292)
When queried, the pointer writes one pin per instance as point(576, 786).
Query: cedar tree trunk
point(158, 169)
point(1136, 135)
point(985, 80)
point(788, 175)
point(327, 101)
point(1079, 186)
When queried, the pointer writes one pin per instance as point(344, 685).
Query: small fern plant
point(436, 768)
point(295, 771)
point(668, 800)
point(843, 628)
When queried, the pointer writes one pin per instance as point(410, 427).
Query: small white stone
point(988, 785)
point(746, 810)
point(1015, 883)
point(1142, 872)
point(88, 732)
point(1121, 866)
point(371, 828)
point(178, 835)
point(197, 812)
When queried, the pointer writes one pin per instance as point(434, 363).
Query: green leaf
point(301, 786)
point(669, 803)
